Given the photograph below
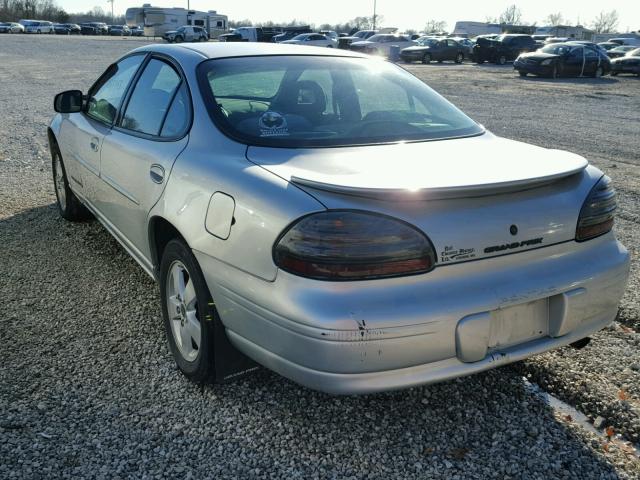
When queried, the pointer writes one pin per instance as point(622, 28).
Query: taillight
point(597, 213)
point(352, 245)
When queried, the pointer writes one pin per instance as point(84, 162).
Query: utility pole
point(112, 17)
point(375, 4)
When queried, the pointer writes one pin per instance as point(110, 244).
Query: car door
point(81, 134)
point(315, 41)
point(452, 50)
point(591, 61)
point(573, 62)
point(138, 154)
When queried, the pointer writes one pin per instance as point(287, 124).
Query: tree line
point(14, 10)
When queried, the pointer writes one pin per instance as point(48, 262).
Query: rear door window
point(151, 98)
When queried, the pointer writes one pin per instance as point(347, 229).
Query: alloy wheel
point(182, 307)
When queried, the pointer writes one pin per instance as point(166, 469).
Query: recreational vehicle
point(156, 21)
point(562, 31)
point(473, 29)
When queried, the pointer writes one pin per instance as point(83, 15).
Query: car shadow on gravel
point(84, 368)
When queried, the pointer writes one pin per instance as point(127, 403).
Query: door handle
point(95, 144)
point(156, 172)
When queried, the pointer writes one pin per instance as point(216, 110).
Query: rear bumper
point(358, 337)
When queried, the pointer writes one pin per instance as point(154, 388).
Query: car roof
point(245, 49)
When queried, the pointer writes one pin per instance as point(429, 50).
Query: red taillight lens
point(350, 245)
point(597, 213)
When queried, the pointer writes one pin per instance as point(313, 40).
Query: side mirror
point(68, 102)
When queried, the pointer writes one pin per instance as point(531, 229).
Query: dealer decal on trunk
point(451, 254)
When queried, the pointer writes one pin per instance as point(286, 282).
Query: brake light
point(352, 245)
point(597, 213)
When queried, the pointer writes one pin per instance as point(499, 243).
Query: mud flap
point(230, 364)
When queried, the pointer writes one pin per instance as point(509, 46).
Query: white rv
point(473, 29)
point(156, 21)
point(574, 33)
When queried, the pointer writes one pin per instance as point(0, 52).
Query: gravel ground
point(88, 388)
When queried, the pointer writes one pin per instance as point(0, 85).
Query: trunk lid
point(475, 198)
point(469, 167)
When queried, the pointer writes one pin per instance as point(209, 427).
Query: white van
point(37, 26)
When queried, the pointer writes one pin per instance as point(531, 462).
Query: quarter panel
point(265, 204)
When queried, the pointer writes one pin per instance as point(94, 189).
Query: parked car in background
point(333, 218)
point(630, 63)
point(431, 49)
point(187, 33)
point(466, 43)
point(313, 40)
point(137, 31)
point(94, 28)
point(329, 34)
point(589, 44)
point(11, 27)
point(251, 34)
point(620, 51)
point(626, 41)
point(37, 26)
point(381, 44)
point(564, 60)
point(503, 48)
point(540, 38)
point(119, 30)
point(556, 40)
point(67, 29)
point(287, 33)
point(89, 29)
point(608, 45)
point(345, 42)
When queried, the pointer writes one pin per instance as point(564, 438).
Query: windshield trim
point(217, 117)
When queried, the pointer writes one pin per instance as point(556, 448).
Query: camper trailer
point(156, 21)
point(562, 31)
point(473, 29)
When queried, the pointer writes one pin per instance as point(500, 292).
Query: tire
point(479, 61)
point(501, 60)
point(329, 46)
point(522, 74)
point(459, 58)
point(426, 59)
point(178, 39)
point(613, 74)
point(188, 312)
point(69, 206)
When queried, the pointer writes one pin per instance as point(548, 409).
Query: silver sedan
point(329, 216)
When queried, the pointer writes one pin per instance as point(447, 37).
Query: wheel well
point(52, 139)
point(161, 232)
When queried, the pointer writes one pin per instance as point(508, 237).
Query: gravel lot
point(88, 388)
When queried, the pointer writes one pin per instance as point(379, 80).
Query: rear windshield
point(302, 101)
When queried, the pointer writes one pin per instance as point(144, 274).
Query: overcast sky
point(397, 13)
